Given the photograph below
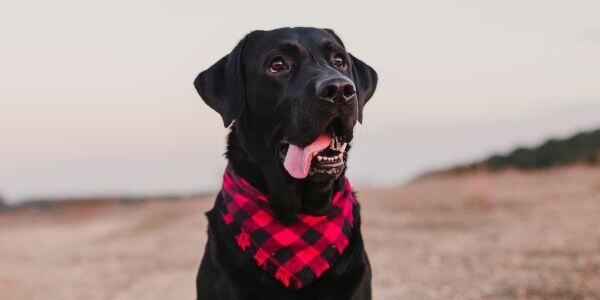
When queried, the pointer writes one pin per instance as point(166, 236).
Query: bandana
point(295, 252)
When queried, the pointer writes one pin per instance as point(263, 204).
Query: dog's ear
point(365, 79)
point(222, 85)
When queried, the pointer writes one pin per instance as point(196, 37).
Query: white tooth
point(343, 148)
point(319, 158)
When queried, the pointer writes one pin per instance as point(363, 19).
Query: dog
point(291, 98)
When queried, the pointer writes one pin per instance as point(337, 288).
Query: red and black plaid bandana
point(295, 252)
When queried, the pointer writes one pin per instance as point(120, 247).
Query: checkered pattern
point(295, 252)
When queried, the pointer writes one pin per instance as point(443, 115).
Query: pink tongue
point(297, 160)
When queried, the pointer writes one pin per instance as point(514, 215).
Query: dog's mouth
point(325, 157)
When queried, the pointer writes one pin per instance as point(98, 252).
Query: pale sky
point(97, 97)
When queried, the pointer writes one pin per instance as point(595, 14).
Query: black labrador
point(275, 89)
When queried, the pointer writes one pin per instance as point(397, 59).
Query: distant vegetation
point(581, 148)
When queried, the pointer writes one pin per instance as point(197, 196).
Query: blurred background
point(497, 102)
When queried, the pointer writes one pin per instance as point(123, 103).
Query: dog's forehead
point(306, 38)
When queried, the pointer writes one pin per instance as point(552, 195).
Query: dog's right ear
point(222, 85)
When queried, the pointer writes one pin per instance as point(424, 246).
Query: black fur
point(264, 108)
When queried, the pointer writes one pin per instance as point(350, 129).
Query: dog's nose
point(335, 89)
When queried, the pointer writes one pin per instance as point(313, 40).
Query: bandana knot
point(295, 252)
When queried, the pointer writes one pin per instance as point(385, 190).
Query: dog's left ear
point(222, 85)
point(365, 79)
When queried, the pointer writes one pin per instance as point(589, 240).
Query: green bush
point(583, 147)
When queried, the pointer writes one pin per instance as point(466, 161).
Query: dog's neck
point(287, 196)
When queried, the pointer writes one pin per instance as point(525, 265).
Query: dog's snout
point(336, 89)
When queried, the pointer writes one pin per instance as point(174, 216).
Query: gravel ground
point(510, 235)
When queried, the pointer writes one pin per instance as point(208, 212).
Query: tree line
point(581, 148)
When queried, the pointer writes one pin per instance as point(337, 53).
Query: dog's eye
point(339, 61)
point(277, 65)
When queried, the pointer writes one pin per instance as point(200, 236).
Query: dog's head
point(295, 95)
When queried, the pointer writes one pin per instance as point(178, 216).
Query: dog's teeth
point(343, 148)
point(319, 158)
point(335, 143)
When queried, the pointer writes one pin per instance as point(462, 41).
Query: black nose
point(335, 89)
